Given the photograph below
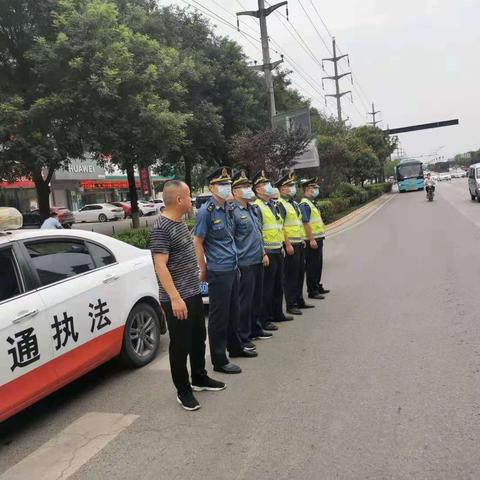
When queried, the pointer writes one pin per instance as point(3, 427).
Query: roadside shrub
point(326, 210)
point(137, 237)
point(339, 204)
point(346, 189)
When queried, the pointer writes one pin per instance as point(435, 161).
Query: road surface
point(380, 381)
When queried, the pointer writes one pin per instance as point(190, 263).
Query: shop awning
point(18, 184)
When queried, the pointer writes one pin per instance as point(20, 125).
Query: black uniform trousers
point(223, 317)
point(187, 338)
point(273, 288)
point(251, 298)
point(314, 266)
point(293, 275)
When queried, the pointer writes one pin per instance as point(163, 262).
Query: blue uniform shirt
point(215, 225)
point(248, 235)
point(305, 211)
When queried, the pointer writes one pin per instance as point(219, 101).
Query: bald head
point(172, 190)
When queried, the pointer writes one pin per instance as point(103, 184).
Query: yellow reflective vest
point(316, 222)
point(293, 224)
point(272, 226)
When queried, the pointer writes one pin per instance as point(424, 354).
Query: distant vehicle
point(99, 212)
point(160, 204)
point(33, 219)
point(444, 177)
point(201, 199)
point(409, 176)
point(474, 181)
point(147, 208)
point(127, 208)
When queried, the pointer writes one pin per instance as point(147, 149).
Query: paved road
point(380, 381)
point(113, 227)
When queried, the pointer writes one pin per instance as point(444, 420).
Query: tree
point(273, 150)
point(124, 83)
point(364, 163)
point(38, 125)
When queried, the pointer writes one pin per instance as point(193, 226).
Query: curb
point(359, 212)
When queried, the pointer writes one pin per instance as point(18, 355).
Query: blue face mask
point(293, 190)
point(268, 189)
point(247, 193)
point(224, 191)
point(315, 193)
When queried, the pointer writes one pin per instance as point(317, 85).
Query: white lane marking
point(65, 453)
point(363, 220)
point(163, 363)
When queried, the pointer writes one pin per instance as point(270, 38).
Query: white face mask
point(247, 193)
point(293, 190)
point(224, 191)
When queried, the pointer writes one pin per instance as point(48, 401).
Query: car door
point(84, 301)
point(26, 370)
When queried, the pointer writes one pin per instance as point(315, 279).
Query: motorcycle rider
point(429, 184)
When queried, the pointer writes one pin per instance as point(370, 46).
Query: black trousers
point(293, 276)
point(314, 266)
point(251, 298)
point(187, 338)
point(273, 288)
point(223, 290)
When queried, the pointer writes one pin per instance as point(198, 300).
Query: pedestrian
point(179, 286)
point(217, 257)
point(294, 233)
point(252, 259)
point(51, 223)
point(314, 238)
point(272, 233)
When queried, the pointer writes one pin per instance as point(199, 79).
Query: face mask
point(247, 193)
point(293, 190)
point(224, 191)
point(268, 189)
point(315, 193)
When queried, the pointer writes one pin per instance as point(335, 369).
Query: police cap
point(309, 182)
point(260, 177)
point(287, 180)
point(240, 179)
point(220, 175)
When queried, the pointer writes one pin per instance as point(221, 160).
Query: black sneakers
point(263, 336)
point(188, 401)
point(249, 346)
point(208, 384)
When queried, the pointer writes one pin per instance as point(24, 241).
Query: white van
point(474, 181)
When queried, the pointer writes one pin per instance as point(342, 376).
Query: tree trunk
point(43, 193)
point(132, 188)
point(188, 171)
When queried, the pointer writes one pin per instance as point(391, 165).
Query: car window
point(84, 209)
point(471, 173)
point(101, 256)
point(10, 285)
point(57, 260)
point(478, 172)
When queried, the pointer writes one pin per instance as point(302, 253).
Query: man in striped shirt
point(179, 290)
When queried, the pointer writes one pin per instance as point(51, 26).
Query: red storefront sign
point(106, 184)
point(23, 183)
point(145, 181)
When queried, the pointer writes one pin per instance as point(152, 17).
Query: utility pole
point(338, 95)
point(262, 13)
point(373, 113)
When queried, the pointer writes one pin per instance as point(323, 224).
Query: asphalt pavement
point(114, 227)
point(380, 381)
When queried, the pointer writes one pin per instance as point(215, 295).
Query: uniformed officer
point(272, 233)
point(314, 237)
point(294, 233)
point(251, 260)
point(217, 259)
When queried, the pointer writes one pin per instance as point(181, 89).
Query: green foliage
point(345, 189)
point(138, 238)
point(326, 210)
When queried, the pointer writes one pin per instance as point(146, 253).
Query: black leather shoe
point(322, 290)
point(270, 327)
point(228, 368)
point(316, 296)
point(305, 305)
point(285, 318)
point(294, 311)
point(250, 346)
point(244, 353)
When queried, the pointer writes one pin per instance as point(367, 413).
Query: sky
point(417, 60)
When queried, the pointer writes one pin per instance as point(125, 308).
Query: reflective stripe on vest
point(272, 228)
point(316, 222)
point(292, 225)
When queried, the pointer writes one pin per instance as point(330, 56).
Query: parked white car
point(147, 208)
point(160, 204)
point(99, 212)
point(69, 301)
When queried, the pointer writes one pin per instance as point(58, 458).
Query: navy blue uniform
point(215, 225)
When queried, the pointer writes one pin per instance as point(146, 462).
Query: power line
point(314, 26)
point(321, 20)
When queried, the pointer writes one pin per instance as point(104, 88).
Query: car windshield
point(409, 171)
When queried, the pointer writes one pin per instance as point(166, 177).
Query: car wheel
point(472, 197)
point(141, 337)
point(102, 218)
point(162, 209)
point(68, 226)
point(140, 213)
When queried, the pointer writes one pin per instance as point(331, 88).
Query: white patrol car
point(69, 301)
